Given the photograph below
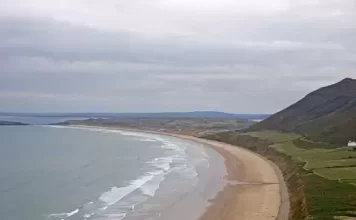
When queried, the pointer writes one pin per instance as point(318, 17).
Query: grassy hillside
point(327, 114)
point(321, 179)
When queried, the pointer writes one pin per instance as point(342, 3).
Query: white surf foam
point(64, 215)
point(85, 216)
point(145, 137)
point(175, 161)
point(175, 149)
point(116, 216)
point(148, 184)
point(72, 213)
point(153, 185)
point(161, 163)
point(116, 194)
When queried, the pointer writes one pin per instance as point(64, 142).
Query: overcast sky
point(242, 56)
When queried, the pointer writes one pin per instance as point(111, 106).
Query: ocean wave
point(175, 148)
point(148, 183)
point(153, 185)
point(86, 216)
point(145, 137)
point(64, 215)
point(117, 193)
point(161, 162)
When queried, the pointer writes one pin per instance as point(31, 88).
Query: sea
point(71, 173)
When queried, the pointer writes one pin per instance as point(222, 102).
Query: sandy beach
point(255, 191)
point(256, 188)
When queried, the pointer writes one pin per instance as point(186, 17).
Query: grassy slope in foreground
point(318, 178)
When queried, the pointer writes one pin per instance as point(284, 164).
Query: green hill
point(327, 115)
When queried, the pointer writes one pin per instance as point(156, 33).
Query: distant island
point(8, 123)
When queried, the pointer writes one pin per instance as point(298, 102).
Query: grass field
point(274, 136)
point(350, 182)
point(337, 173)
point(321, 178)
point(333, 164)
point(329, 199)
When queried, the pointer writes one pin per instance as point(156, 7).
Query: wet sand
point(256, 189)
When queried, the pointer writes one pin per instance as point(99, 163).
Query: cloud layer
point(171, 55)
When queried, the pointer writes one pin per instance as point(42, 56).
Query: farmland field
point(321, 178)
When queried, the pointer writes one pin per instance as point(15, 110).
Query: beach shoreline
point(255, 191)
point(255, 188)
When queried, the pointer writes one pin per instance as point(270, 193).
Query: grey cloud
point(61, 41)
point(257, 62)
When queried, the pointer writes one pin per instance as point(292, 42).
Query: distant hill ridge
point(7, 123)
point(158, 115)
point(327, 114)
